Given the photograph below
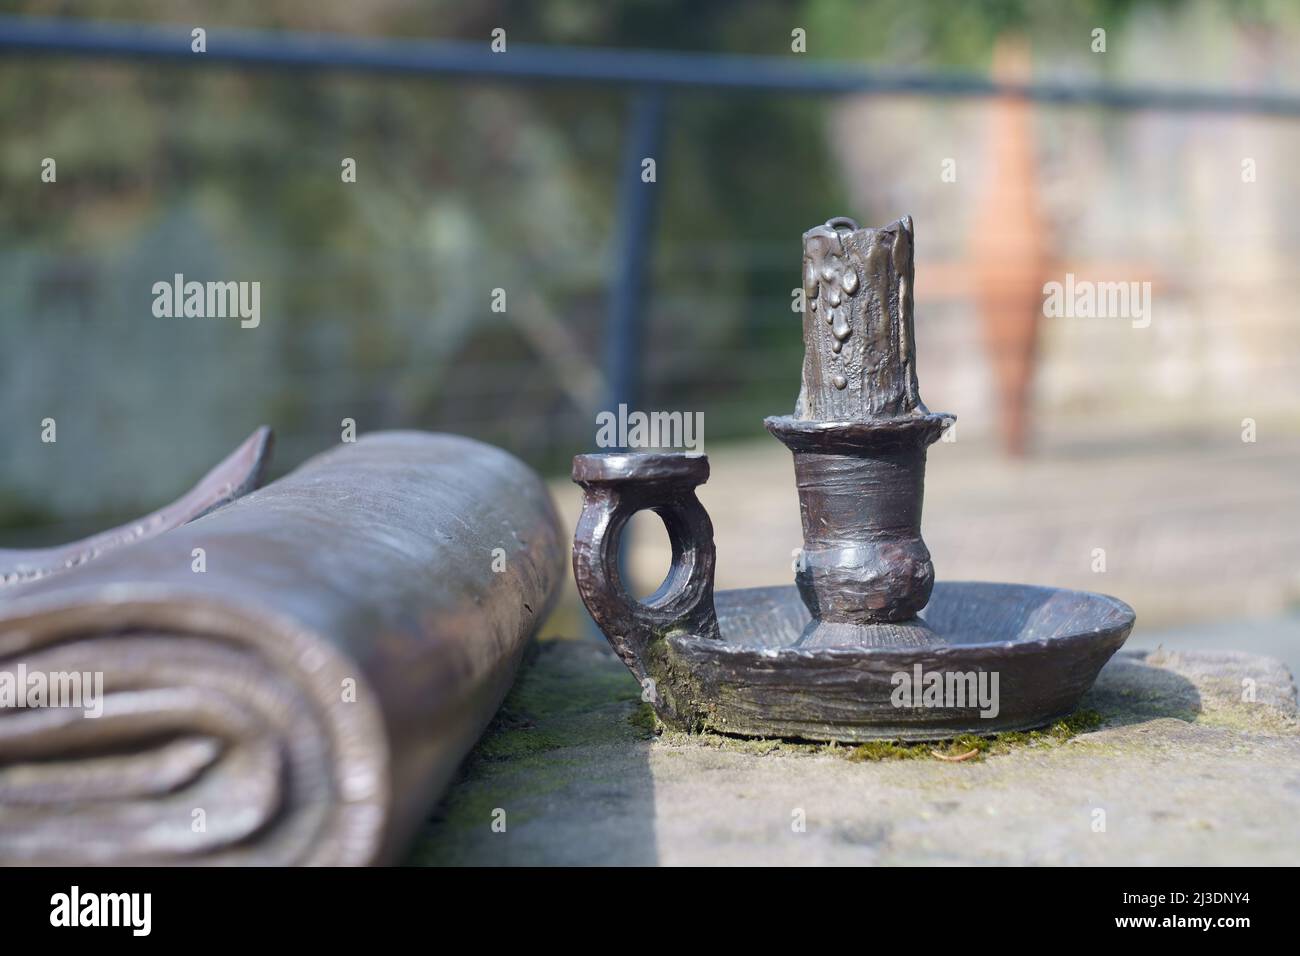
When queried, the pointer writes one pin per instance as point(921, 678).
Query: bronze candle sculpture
point(866, 645)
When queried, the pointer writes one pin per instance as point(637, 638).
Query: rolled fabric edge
point(354, 629)
point(237, 474)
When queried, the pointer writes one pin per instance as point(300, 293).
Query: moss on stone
point(874, 750)
point(507, 743)
point(681, 698)
point(568, 695)
point(1249, 717)
point(1081, 721)
point(644, 720)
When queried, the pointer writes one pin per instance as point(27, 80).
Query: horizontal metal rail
point(585, 65)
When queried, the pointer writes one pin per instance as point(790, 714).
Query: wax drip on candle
point(828, 279)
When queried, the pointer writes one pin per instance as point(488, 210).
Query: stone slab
point(1185, 768)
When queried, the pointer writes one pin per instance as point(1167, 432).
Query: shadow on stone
point(562, 776)
point(1134, 687)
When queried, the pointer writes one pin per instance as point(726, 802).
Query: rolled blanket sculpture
point(291, 678)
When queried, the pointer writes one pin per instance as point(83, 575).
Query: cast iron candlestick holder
point(859, 436)
point(823, 660)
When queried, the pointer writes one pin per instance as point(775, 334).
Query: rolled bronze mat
point(291, 678)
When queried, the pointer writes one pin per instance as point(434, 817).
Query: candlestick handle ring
point(615, 487)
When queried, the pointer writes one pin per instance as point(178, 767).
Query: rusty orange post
point(1009, 253)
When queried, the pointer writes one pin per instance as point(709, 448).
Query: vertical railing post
point(633, 243)
point(634, 240)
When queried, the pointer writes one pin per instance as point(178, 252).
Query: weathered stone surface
point(1184, 769)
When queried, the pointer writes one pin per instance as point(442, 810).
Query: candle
point(860, 352)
